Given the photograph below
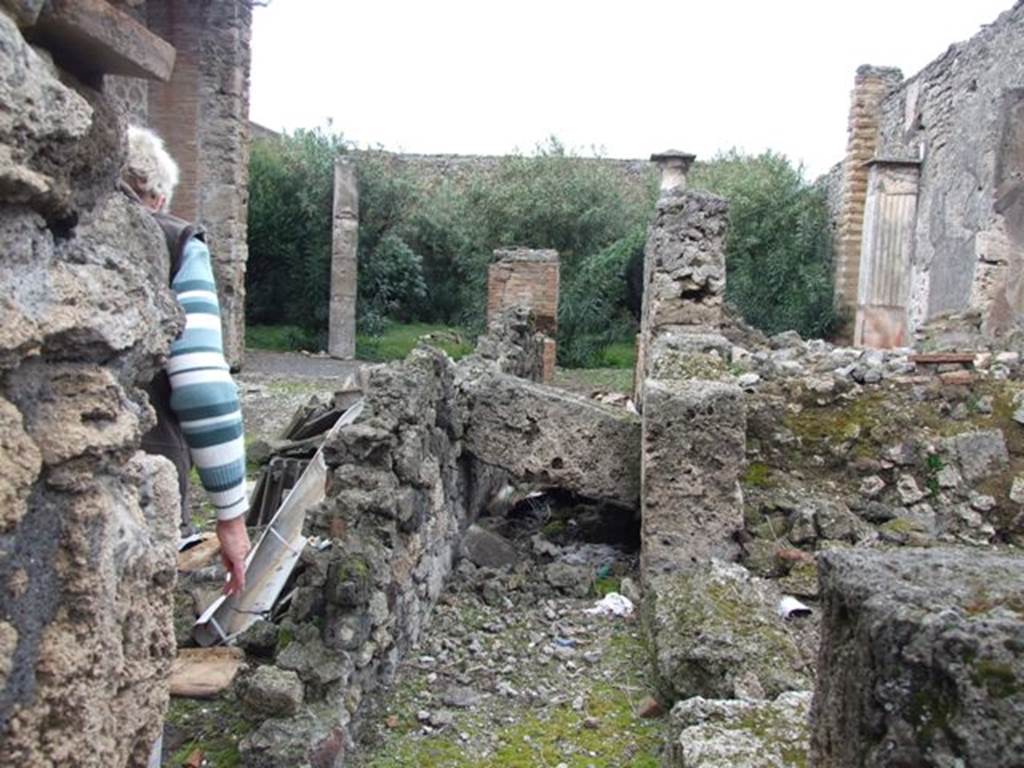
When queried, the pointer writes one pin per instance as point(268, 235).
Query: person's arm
point(205, 400)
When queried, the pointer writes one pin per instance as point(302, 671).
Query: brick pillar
point(203, 115)
point(521, 277)
point(871, 86)
point(341, 340)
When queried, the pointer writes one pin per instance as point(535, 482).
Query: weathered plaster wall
point(961, 116)
point(87, 532)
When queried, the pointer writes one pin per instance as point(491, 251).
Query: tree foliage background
point(425, 244)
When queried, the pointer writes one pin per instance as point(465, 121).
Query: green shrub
point(390, 281)
point(593, 312)
point(291, 183)
point(778, 252)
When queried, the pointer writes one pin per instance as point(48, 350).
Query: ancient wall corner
point(88, 532)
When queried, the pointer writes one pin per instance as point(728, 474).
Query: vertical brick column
point(521, 277)
point(203, 114)
point(871, 86)
point(341, 340)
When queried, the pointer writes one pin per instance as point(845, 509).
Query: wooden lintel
point(940, 358)
point(91, 38)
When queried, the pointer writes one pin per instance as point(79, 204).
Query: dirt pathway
point(513, 672)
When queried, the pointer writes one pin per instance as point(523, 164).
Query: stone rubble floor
point(526, 682)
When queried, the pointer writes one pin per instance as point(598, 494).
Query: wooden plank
point(939, 358)
point(201, 673)
point(92, 37)
point(199, 555)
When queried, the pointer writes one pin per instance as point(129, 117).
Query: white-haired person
point(199, 417)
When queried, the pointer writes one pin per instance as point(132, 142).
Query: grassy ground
point(397, 341)
point(277, 338)
point(394, 343)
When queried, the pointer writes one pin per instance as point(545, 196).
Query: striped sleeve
point(203, 394)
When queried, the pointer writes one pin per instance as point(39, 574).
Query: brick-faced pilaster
point(871, 86)
point(203, 115)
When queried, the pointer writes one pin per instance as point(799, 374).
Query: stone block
point(979, 454)
point(676, 353)
point(270, 692)
point(714, 633)
point(488, 550)
point(694, 448)
point(92, 37)
point(716, 733)
point(552, 437)
point(921, 659)
point(305, 739)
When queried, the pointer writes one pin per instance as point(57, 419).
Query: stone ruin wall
point(961, 117)
point(87, 533)
point(434, 443)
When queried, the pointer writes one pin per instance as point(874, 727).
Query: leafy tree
point(778, 251)
point(291, 186)
point(593, 309)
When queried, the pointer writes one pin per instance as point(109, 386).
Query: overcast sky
point(629, 77)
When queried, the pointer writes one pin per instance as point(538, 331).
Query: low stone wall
point(88, 524)
point(433, 445)
point(922, 659)
point(401, 492)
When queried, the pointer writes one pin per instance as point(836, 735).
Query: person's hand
point(234, 546)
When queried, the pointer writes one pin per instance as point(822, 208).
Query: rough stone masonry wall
point(87, 533)
point(400, 493)
point(407, 479)
point(963, 115)
point(203, 113)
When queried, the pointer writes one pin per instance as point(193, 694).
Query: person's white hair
point(150, 169)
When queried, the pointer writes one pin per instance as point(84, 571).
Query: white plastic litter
point(612, 604)
point(790, 607)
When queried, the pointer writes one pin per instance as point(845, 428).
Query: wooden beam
point(939, 358)
point(91, 38)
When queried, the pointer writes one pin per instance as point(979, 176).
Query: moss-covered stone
point(711, 628)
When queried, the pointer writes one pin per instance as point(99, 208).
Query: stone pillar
point(871, 86)
point(693, 451)
point(341, 341)
point(203, 115)
point(694, 424)
point(684, 264)
point(887, 251)
point(521, 277)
